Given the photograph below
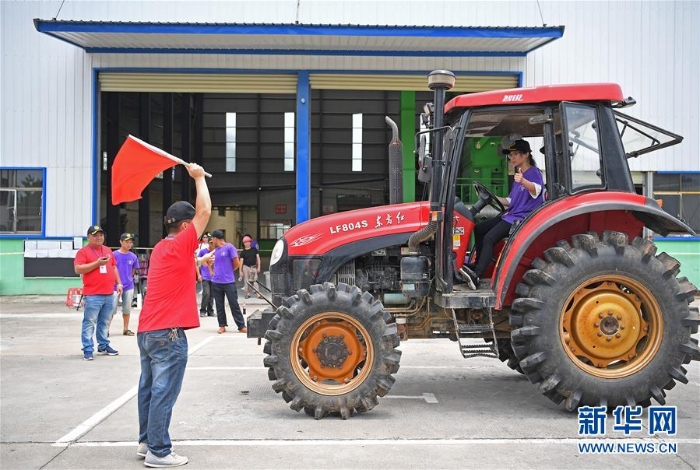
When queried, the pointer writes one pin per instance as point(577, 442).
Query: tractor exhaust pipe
point(439, 81)
point(395, 164)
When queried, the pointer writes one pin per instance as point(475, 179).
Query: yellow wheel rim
point(332, 353)
point(612, 326)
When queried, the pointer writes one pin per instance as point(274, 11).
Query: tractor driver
point(525, 196)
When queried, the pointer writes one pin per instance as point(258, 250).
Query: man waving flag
point(137, 163)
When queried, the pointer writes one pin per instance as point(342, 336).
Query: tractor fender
point(625, 212)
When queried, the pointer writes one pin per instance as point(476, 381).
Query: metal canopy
point(299, 39)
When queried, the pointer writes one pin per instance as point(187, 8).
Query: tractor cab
point(576, 133)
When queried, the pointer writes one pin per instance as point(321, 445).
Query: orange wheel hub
point(332, 353)
point(611, 327)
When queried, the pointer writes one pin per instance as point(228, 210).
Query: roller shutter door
point(287, 83)
point(198, 82)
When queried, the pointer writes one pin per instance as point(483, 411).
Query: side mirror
point(425, 162)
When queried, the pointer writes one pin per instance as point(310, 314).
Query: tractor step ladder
point(467, 333)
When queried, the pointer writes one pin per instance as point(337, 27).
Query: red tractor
point(576, 297)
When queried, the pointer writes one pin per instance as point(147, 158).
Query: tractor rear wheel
point(331, 351)
point(604, 322)
point(506, 354)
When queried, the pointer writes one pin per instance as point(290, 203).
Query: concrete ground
point(58, 411)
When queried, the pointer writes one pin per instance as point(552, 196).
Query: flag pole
point(163, 152)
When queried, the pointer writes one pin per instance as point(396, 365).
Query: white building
point(266, 95)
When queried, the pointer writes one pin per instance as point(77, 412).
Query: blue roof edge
point(507, 32)
point(56, 29)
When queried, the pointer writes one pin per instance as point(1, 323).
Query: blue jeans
point(98, 311)
point(163, 361)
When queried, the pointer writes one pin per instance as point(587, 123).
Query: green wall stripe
point(407, 130)
point(13, 282)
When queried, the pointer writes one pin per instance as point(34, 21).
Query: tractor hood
point(322, 234)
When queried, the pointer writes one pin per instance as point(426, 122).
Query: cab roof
point(538, 94)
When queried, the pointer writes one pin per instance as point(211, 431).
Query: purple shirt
point(126, 263)
point(521, 201)
point(223, 264)
point(204, 269)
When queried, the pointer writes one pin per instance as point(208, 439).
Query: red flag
point(137, 164)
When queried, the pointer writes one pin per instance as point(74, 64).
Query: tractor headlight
point(277, 252)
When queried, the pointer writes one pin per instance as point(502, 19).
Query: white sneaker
point(142, 450)
point(172, 460)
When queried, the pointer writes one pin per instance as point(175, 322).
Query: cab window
point(583, 143)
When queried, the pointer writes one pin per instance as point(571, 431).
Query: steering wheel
point(488, 197)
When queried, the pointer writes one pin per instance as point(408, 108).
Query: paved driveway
point(58, 411)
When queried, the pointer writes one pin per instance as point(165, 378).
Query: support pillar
point(303, 148)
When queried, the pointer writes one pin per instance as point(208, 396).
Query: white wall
point(46, 108)
point(652, 48)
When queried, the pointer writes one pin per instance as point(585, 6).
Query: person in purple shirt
point(223, 281)
point(207, 306)
point(127, 265)
point(526, 195)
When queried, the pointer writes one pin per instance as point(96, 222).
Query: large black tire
point(604, 323)
point(506, 354)
point(330, 350)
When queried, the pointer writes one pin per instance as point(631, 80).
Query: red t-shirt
point(96, 282)
point(171, 298)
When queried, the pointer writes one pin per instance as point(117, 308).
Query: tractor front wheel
point(330, 350)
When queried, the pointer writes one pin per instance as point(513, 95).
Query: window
point(357, 142)
point(21, 200)
point(639, 137)
point(584, 147)
point(274, 229)
point(680, 195)
point(482, 160)
point(230, 142)
point(289, 142)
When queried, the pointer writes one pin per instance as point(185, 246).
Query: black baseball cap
point(519, 145)
point(127, 236)
point(205, 234)
point(218, 234)
point(93, 229)
point(181, 210)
